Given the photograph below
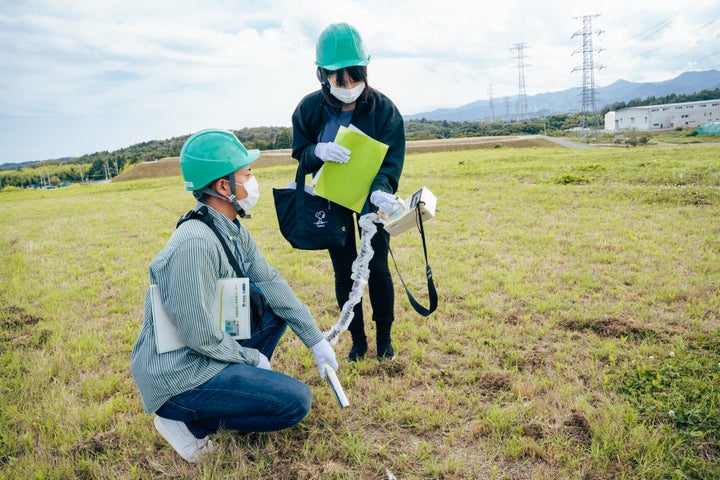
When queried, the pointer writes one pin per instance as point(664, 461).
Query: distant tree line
point(672, 98)
point(105, 165)
point(424, 129)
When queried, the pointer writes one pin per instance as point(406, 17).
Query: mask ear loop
point(233, 197)
point(233, 192)
point(333, 102)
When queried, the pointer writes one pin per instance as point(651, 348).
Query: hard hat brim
point(347, 63)
point(252, 156)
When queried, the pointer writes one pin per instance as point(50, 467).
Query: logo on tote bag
point(320, 219)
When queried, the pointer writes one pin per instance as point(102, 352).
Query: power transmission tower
point(491, 104)
point(589, 108)
point(522, 104)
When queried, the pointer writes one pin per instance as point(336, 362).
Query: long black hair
point(357, 73)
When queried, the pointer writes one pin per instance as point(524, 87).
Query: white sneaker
point(180, 438)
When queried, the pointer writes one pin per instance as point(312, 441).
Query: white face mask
point(253, 191)
point(347, 95)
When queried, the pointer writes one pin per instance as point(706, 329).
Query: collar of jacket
point(225, 226)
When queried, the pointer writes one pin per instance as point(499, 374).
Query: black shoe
point(385, 352)
point(357, 352)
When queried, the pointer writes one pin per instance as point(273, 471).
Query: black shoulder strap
point(203, 215)
point(432, 293)
point(257, 300)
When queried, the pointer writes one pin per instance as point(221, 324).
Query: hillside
point(569, 101)
point(169, 166)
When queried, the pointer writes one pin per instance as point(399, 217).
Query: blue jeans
point(244, 397)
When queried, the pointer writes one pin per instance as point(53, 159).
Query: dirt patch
point(494, 381)
point(609, 327)
point(577, 428)
point(385, 368)
point(710, 448)
point(533, 430)
point(16, 318)
point(536, 358)
point(18, 327)
point(102, 442)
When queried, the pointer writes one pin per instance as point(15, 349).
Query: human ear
point(220, 187)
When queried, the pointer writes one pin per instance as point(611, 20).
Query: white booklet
point(231, 313)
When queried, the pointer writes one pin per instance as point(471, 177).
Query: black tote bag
point(307, 221)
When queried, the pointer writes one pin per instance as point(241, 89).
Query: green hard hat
point(211, 154)
point(340, 46)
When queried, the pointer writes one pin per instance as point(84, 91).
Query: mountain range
point(570, 100)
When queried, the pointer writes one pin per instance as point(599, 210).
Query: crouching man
point(212, 381)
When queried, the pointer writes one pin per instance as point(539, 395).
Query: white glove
point(264, 363)
point(386, 202)
point(332, 152)
point(324, 353)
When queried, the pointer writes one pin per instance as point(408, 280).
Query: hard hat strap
point(232, 198)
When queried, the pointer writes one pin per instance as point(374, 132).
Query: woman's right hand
point(332, 152)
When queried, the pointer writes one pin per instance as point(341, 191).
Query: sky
point(82, 76)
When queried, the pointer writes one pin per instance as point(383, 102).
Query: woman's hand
point(386, 202)
point(332, 152)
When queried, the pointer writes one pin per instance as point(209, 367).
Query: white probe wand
point(336, 387)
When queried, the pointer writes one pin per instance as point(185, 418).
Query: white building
point(671, 115)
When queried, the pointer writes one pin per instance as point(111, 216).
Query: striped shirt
point(185, 272)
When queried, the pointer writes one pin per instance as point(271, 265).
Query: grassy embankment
point(578, 334)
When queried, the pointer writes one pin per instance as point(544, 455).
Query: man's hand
point(264, 363)
point(323, 354)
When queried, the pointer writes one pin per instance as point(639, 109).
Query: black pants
point(380, 284)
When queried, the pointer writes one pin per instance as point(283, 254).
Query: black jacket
point(383, 123)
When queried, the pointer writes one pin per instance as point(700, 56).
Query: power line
point(647, 32)
point(522, 103)
point(630, 19)
point(588, 68)
point(658, 27)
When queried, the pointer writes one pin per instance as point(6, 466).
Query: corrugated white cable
point(360, 275)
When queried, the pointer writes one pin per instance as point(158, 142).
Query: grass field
point(577, 337)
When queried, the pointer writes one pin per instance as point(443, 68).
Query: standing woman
point(345, 98)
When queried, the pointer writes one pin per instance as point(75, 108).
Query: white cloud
point(103, 75)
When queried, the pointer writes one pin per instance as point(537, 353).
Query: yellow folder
point(348, 184)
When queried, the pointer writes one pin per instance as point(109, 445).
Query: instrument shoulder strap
point(432, 292)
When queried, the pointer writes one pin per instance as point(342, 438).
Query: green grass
point(577, 337)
